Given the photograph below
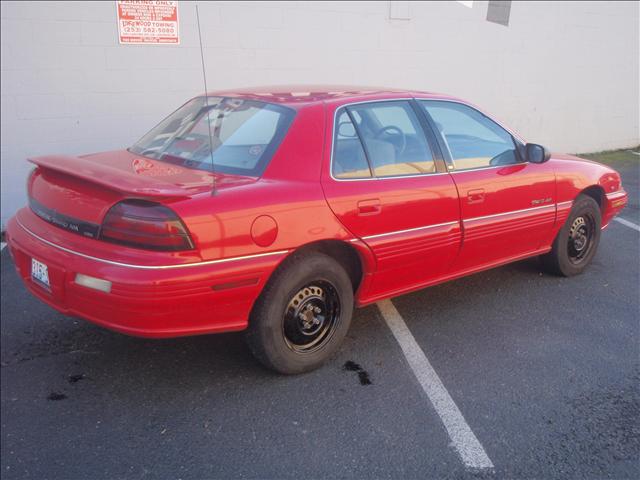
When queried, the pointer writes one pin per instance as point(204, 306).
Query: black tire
point(283, 335)
point(577, 241)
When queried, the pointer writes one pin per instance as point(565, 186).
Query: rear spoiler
point(112, 178)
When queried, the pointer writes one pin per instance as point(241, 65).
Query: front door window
point(472, 139)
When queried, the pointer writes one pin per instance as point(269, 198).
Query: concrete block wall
point(565, 74)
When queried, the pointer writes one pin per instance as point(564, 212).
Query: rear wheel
point(302, 315)
point(577, 241)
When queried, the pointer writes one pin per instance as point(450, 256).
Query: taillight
point(143, 224)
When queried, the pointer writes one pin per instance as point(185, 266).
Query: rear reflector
point(92, 282)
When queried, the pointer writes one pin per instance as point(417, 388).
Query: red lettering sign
point(148, 21)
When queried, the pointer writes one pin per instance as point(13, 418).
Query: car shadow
point(527, 266)
point(90, 355)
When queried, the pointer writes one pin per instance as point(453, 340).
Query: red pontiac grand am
point(277, 210)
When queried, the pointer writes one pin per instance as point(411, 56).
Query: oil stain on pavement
point(76, 378)
point(55, 396)
point(363, 375)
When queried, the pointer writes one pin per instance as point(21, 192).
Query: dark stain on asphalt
point(76, 378)
point(55, 396)
point(363, 375)
point(352, 366)
point(79, 341)
point(364, 378)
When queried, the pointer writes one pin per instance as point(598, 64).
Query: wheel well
point(343, 253)
point(595, 192)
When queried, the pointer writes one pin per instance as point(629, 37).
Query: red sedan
point(278, 210)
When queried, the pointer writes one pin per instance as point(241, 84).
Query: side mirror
point(536, 153)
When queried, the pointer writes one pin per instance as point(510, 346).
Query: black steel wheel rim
point(581, 235)
point(311, 317)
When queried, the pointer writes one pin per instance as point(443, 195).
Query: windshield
point(238, 136)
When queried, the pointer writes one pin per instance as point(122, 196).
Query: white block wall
point(564, 74)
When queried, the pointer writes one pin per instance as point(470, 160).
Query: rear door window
point(394, 141)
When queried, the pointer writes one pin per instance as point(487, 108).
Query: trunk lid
point(75, 192)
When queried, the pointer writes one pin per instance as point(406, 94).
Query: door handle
point(475, 196)
point(369, 207)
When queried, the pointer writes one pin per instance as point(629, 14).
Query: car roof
point(298, 95)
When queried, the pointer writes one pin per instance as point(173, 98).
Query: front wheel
point(577, 241)
point(302, 315)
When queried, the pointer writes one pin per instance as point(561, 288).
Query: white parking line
point(627, 223)
point(462, 438)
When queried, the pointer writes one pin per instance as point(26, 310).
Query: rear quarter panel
point(289, 193)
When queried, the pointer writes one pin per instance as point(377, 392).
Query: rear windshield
point(227, 135)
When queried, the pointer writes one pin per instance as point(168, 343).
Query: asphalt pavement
point(544, 370)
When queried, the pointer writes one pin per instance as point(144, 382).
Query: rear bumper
point(145, 300)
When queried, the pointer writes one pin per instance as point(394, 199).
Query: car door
point(389, 188)
point(507, 205)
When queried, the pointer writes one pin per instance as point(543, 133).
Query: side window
point(394, 140)
point(473, 140)
point(349, 159)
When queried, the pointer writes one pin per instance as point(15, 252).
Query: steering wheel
point(394, 131)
